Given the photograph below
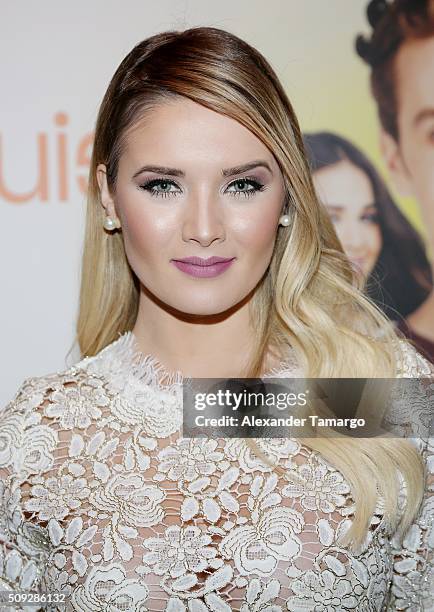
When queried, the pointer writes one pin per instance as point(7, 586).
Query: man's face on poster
point(411, 159)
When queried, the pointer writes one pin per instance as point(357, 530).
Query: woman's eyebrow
point(342, 206)
point(245, 167)
point(423, 115)
point(227, 172)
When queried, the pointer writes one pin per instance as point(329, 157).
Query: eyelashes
point(150, 187)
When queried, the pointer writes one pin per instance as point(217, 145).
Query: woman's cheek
point(257, 232)
point(376, 239)
point(143, 231)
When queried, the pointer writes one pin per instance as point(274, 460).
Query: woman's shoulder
point(100, 392)
point(410, 363)
point(40, 399)
point(76, 380)
point(46, 418)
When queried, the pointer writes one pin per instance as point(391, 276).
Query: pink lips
point(203, 268)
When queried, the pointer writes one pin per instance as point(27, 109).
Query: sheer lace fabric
point(103, 499)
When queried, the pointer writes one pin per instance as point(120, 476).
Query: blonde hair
point(309, 298)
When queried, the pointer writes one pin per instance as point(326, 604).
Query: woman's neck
point(200, 347)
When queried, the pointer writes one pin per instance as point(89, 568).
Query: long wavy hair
point(401, 279)
point(308, 299)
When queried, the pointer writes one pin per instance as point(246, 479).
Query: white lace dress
point(102, 499)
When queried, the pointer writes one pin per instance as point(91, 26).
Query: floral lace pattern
point(102, 499)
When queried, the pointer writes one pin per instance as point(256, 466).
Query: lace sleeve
point(22, 442)
point(32, 448)
point(412, 587)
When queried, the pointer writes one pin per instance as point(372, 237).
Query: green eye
point(165, 183)
point(255, 187)
point(161, 187)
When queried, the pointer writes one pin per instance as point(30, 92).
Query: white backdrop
point(56, 61)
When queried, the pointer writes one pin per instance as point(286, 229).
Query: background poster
point(57, 60)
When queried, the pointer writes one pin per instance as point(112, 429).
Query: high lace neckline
point(123, 357)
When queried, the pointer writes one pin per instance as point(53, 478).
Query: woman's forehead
point(180, 133)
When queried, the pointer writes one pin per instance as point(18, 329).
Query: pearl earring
point(111, 224)
point(284, 220)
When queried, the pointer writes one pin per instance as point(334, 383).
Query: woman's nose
point(352, 235)
point(203, 219)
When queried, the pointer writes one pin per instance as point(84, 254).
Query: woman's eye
point(370, 217)
point(165, 185)
point(240, 184)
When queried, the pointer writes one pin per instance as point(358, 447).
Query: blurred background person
point(400, 53)
point(378, 239)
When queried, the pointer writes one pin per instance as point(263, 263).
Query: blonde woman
point(198, 156)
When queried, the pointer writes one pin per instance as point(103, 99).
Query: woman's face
point(347, 193)
point(196, 204)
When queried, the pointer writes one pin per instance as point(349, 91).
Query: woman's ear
point(395, 163)
point(106, 199)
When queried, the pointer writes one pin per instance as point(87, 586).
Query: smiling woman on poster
point(207, 254)
point(376, 236)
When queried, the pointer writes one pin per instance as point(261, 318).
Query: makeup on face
point(212, 266)
point(195, 187)
point(204, 269)
point(163, 187)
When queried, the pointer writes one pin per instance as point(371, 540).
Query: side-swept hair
point(306, 300)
